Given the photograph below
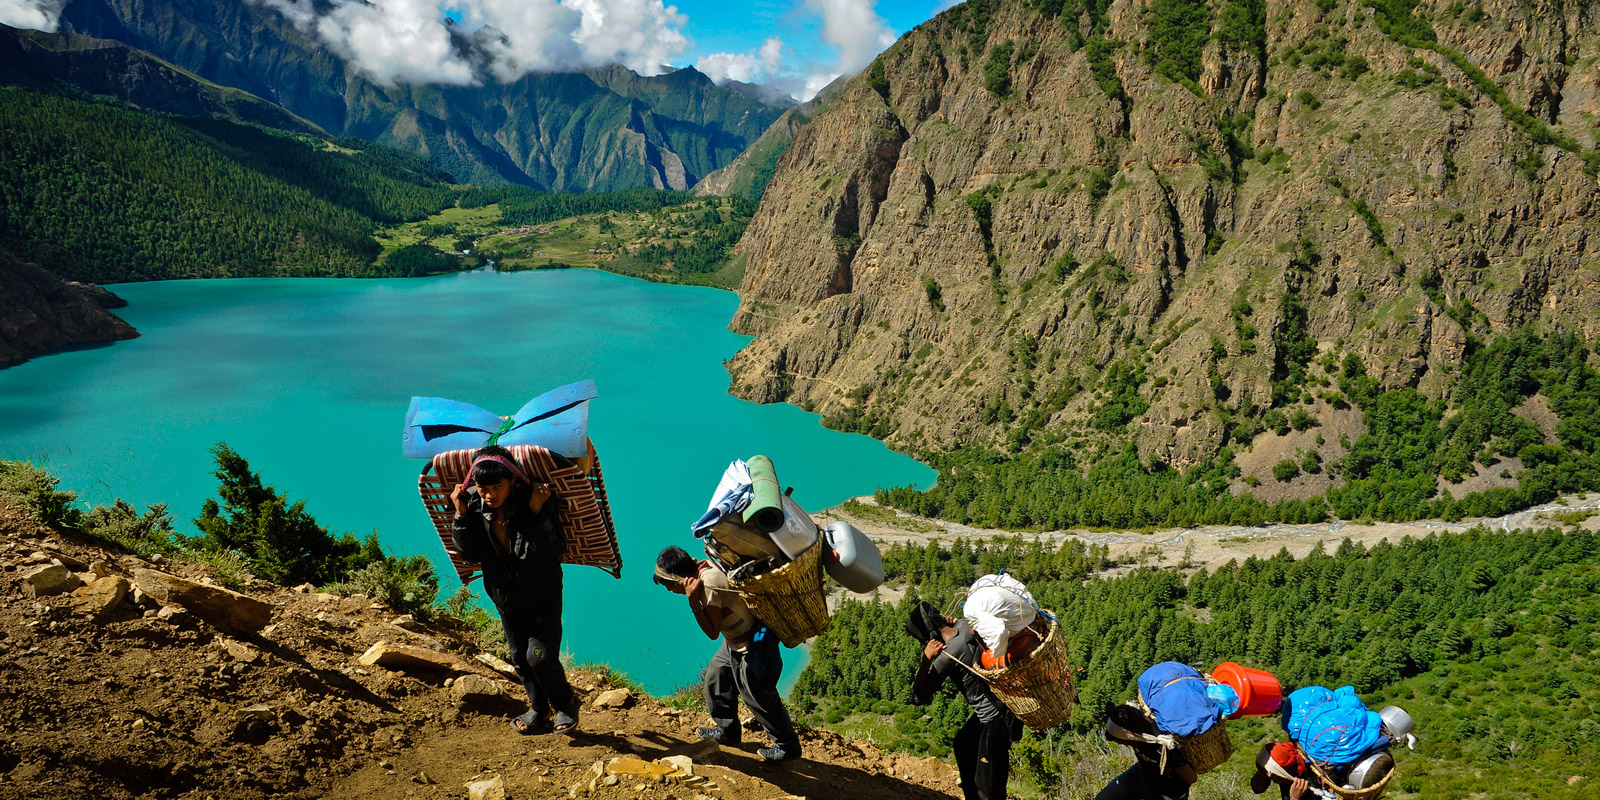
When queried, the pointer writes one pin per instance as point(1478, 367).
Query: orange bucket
point(1260, 694)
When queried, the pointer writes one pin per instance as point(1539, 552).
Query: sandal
point(567, 719)
point(530, 723)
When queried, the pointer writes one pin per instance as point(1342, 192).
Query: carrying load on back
point(1024, 656)
point(1343, 743)
point(1178, 730)
point(774, 554)
point(515, 498)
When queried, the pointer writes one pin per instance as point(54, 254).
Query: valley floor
point(1215, 545)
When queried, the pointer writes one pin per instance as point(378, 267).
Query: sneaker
point(715, 735)
point(779, 752)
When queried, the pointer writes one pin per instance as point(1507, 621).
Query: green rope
point(504, 427)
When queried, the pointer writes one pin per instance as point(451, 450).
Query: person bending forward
point(511, 527)
point(746, 665)
point(983, 745)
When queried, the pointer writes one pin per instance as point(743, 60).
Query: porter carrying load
point(1175, 698)
point(770, 548)
point(1345, 743)
point(549, 441)
point(1025, 657)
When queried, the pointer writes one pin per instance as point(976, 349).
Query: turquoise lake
point(309, 379)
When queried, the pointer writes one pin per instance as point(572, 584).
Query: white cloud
point(37, 15)
point(752, 67)
point(407, 41)
point(393, 41)
point(854, 27)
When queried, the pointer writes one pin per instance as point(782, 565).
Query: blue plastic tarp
point(1176, 695)
point(1333, 727)
point(557, 420)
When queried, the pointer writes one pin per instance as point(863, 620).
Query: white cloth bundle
point(998, 606)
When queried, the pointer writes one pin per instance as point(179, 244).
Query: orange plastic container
point(1260, 694)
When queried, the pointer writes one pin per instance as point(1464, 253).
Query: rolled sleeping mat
point(765, 511)
point(855, 562)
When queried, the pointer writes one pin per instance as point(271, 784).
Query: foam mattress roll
point(765, 511)
point(856, 564)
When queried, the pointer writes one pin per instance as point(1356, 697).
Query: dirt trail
point(155, 701)
point(1210, 546)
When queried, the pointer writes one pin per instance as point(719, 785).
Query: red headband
point(503, 461)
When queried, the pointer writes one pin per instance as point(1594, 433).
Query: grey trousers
point(752, 675)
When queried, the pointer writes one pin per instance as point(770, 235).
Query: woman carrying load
point(512, 528)
point(1158, 773)
point(1283, 765)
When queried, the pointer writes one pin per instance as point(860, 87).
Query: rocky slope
point(597, 131)
point(122, 678)
point(40, 313)
point(748, 175)
point(1029, 195)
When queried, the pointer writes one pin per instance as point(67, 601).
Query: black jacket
point(531, 570)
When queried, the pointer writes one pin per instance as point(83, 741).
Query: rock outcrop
point(40, 313)
point(1010, 205)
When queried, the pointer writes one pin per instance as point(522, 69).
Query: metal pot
point(1396, 722)
point(1368, 771)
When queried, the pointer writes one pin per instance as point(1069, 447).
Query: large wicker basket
point(1370, 793)
point(1038, 688)
point(789, 599)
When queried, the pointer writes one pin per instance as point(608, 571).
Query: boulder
point(473, 689)
point(491, 789)
point(227, 610)
point(99, 597)
point(616, 698)
point(405, 657)
point(49, 579)
point(495, 663)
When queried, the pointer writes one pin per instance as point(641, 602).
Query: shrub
point(406, 583)
point(1285, 470)
point(35, 491)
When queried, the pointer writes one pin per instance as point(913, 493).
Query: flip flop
point(530, 723)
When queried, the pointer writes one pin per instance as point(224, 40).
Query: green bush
point(34, 490)
point(1285, 470)
point(405, 583)
point(997, 69)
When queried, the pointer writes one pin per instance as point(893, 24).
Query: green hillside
point(99, 193)
point(1487, 639)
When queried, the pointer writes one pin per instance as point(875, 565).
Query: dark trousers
point(752, 675)
point(1143, 781)
point(983, 755)
point(533, 633)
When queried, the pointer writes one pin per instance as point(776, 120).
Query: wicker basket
point(1204, 751)
point(1038, 688)
point(1369, 793)
point(1208, 750)
point(789, 599)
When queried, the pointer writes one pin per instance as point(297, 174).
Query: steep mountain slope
point(40, 313)
point(748, 175)
point(601, 131)
point(1083, 222)
point(79, 65)
point(95, 192)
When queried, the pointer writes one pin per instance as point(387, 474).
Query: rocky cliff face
point(1032, 206)
point(40, 313)
point(598, 131)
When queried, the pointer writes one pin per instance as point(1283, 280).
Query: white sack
point(998, 606)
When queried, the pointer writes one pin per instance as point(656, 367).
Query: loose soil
point(134, 705)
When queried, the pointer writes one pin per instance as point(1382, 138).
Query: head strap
point(503, 461)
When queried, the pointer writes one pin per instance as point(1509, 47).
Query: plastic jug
point(853, 559)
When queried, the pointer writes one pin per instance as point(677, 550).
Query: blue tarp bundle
point(557, 420)
point(1333, 727)
point(1176, 695)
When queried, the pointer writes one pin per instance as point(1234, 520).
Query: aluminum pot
point(1396, 722)
point(1368, 771)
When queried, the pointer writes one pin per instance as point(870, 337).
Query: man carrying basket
point(983, 745)
point(747, 665)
